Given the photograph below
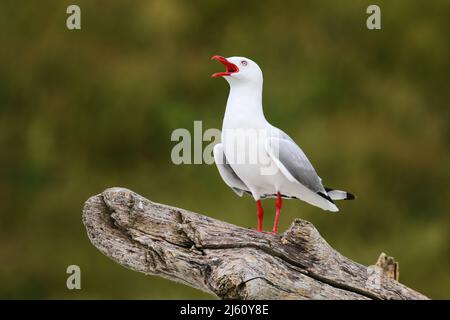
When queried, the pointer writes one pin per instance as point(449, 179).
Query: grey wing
point(292, 161)
point(227, 173)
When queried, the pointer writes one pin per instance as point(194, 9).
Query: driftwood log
point(228, 261)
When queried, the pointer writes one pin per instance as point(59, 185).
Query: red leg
point(260, 215)
point(277, 213)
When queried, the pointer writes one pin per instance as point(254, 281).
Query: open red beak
point(231, 67)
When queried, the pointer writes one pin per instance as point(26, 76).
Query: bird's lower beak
point(230, 67)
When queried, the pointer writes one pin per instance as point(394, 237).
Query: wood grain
point(228, 261)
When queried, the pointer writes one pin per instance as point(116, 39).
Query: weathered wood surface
point(229, 261)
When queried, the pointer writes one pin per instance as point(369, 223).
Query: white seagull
point(258, 158)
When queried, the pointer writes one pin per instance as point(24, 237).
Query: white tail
point(339, 194)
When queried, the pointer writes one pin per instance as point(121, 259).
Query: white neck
point(244, 102)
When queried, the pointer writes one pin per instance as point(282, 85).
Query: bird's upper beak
point(231, 67)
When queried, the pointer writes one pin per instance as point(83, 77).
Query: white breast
point(245, 151)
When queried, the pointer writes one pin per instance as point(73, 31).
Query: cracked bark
point(228, 261)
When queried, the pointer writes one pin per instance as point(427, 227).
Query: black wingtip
point(350, 196)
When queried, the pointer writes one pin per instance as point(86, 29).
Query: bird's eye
point(244, 63)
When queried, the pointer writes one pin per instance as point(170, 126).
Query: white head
point(240, 71)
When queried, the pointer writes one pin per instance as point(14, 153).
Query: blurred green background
point(84, 110)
